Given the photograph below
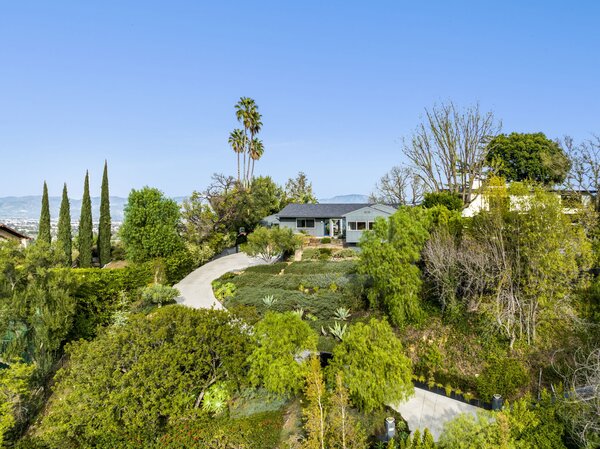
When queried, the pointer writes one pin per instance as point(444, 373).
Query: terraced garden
point(327, 294)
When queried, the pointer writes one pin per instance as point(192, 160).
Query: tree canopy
point(389, 256)
point(150, 225)
point(299, 190)
point(376, 371)
point(125, 386)
point(528, 157)
point(277, 362)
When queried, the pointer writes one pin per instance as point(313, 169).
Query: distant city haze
point(339, 84)
point(23, 213)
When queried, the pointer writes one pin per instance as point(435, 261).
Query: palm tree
point(237, 141)
point(257, 151)
point(255, 126)
point(247, 114)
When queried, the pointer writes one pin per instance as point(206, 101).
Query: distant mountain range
point(28, 207)
point(346, 199)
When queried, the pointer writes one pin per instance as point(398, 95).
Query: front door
point(336, 227)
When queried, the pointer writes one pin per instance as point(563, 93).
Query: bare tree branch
point(448, 150)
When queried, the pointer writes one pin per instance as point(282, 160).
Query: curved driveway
point(196, 288)
point(430, 410)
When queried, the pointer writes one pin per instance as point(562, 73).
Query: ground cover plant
point(316, 290)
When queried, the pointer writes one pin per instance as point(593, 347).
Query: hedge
point(98, 293)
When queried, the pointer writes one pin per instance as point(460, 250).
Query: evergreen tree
point(44, 226)
point(63, 240)
point(104, 226)
point(86, 236)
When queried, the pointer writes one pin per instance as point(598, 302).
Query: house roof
point(319, 210)
point(14, 232)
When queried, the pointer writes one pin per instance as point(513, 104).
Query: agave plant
point(216, 399)
point(342, 314)
point(338, 330)
point(269, 301)
point(299, 312)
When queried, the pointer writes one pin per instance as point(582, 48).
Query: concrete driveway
point(430, 410)
point(196, 288)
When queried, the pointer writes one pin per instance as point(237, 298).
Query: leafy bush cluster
point(98, 292)
point(328, 253)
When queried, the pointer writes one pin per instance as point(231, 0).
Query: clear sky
point(151, 85)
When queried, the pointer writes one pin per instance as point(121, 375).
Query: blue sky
point(151, 85)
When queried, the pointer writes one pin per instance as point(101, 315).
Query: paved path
point(196, 288)
point(429, 410)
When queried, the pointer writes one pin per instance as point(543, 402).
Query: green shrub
point(159, 295)
point(310, 254)
point(320, 267)
point(502, 375)
point(98, 292)
point(451, 201)
point(259, 431)
point(345, 253)
point(325, 254)
point(178, 266)
point(274, 268)
point(325, 240)
point(224, 291)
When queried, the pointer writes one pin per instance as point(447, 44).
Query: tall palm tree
point(237, 141)
point(247, 114)
point(257, 151)
point(255, 127)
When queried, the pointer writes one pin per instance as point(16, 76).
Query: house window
point(371, 225)
point(357, 225)
point(305, 222)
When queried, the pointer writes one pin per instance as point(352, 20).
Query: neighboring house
point(572, 201)
point(8, 233)
point(330, 220)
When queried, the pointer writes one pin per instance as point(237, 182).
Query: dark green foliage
point(104, 230)
point(376, 371)
point(451, 201)
point(326, 240)
point(259, 431)
point(98, 293)
point(150, 226)
point(528, 157)
point(86, 237)
point(38, 310)
point(64, 240)
point(280, 338)
point(123, 388)
point(390, 256)
point(502, 375)
point(44, 234)
point(177, 266)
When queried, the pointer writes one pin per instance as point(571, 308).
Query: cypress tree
point(64, 238)
point(104, 225)
point(86, 237)
point(44, 226)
